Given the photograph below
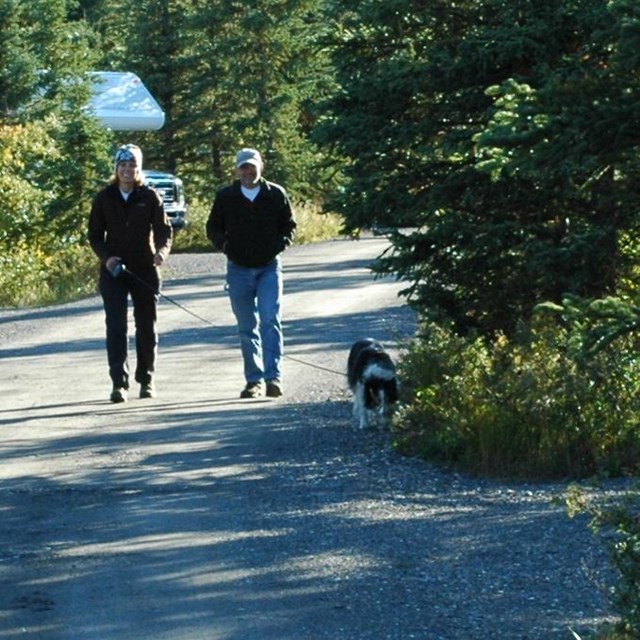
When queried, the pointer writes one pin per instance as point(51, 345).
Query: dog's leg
point(356, 391)
point(382, 402)
point(360, 406)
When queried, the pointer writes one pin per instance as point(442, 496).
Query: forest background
point(495, 141)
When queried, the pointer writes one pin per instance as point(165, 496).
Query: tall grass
point(31, 276)
point(314, 226)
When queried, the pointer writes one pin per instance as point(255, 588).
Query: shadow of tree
point(263, 521)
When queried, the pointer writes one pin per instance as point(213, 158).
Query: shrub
point(526, 407)
point(618, 524)
point(193, 238)
point(30, 276)
point(314, 226)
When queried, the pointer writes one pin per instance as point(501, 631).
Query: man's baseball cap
point(248, 156)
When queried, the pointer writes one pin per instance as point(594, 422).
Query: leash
point(125, 270)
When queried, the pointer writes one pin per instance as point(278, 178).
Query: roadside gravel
point(408, 550)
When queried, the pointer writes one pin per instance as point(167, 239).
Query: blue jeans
point(256, 298)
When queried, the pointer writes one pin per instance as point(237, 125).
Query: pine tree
point(227, 74)
point(18, 62)
point(44, 91)
point(506, 145)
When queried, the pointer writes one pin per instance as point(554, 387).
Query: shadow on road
point(213, 519)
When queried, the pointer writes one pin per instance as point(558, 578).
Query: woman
point(130, 233)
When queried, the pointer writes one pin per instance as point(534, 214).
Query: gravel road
point(197, 516)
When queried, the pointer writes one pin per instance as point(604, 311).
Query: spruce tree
point(500, 136)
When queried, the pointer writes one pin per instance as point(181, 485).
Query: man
point(130, 233)
point(251, 222)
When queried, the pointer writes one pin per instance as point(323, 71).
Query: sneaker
point(147, 390)
point(119, 394)
point(252, 390)
point(274, 388)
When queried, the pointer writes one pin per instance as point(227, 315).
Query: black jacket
point(135, 230)
point(251, 234)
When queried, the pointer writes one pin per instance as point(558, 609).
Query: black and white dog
point(372, 380)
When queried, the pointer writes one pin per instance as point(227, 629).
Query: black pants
point(115, 296)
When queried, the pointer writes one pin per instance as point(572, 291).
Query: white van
point(171, 191)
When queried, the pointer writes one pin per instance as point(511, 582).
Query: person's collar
point(124, 193)
point(250, 192)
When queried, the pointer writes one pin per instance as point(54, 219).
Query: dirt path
point(199, 516)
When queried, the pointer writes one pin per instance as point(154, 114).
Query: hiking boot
point(274, 388)
point(119, 394)
point(147, 390)
point(252, 390)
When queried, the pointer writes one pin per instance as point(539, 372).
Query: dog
point(373, 382)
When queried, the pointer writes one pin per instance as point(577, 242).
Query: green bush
point(30, 276)
point(527, 407)
point(314, 226)
point(193, 238)
point(618, 524)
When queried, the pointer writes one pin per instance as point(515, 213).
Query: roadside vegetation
point(527, 406)
point(617, 522)
point(30, 276)
point(498, 138)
